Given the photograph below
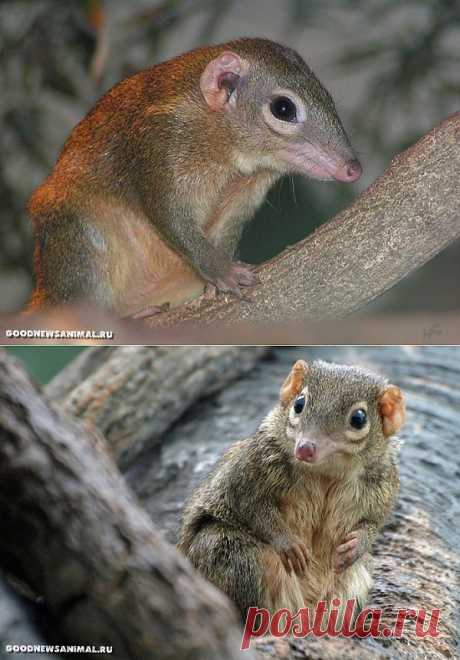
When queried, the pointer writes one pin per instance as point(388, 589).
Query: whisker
point(275, 208)
point(293, 190)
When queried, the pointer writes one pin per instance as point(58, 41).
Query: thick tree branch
point(78, 370)
point(73, 532)
point(133, 394)
point(405, 218)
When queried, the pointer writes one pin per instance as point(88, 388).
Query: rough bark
point(75, 535)
point(79, 369)
point(406, 217)
point(133, 394)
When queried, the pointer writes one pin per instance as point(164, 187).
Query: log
point(74, 534)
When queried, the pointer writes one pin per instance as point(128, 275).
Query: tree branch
point(405, 218)
point(133, 394)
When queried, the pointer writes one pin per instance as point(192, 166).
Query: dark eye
point(358, 419)
point(299, 404)
point(283, 108)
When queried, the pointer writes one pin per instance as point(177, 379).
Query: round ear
point(293, 383)
point(220, 78)
point(392, 409)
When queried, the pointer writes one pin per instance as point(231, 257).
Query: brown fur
point(293, 383)
point(392, 409)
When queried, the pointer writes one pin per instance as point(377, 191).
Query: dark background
point(392, 68)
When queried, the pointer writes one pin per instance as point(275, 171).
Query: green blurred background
point(44, 362)
point(391, 66)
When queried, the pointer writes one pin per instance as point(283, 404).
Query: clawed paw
point(147, 312)
point(295, 558)
point(239, 275)
point(348, 551)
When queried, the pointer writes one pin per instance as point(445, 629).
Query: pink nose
point(306, 451)
point(349, 172)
